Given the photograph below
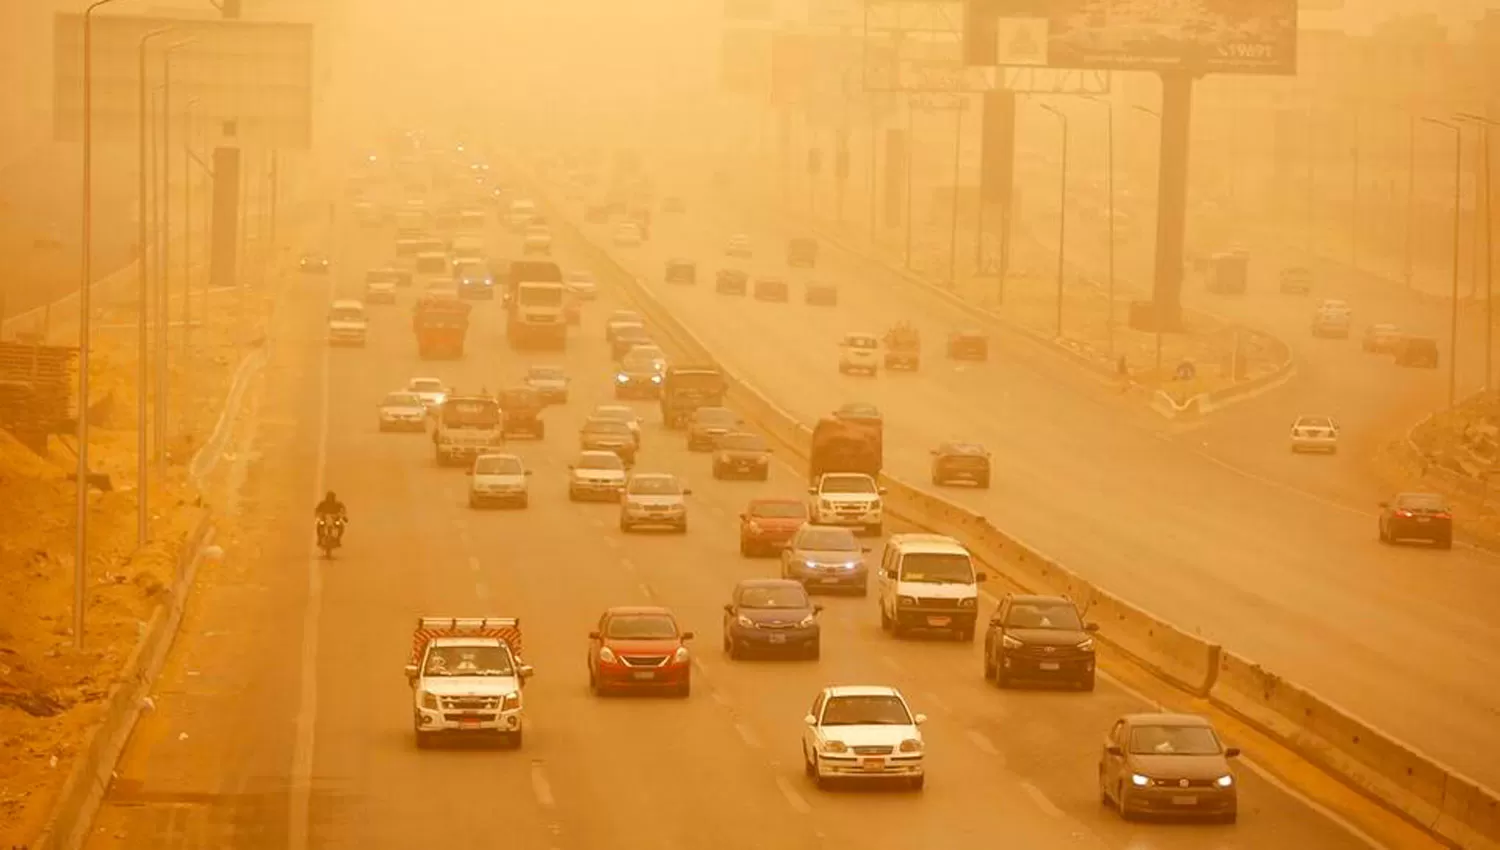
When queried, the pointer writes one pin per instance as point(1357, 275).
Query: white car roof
point(932, 544)
point(420, 380)
point(859, 475)
point(428, 255)
point(494, 455)
point(596, 453)
point(659, 476)
point(348, 304)
point(863, 691)
point(615, 408)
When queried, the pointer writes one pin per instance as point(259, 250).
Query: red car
point(639, 648)
point(767, 525)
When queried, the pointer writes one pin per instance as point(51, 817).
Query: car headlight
point(1087, 644)
point(849, 565)
point(754, 528)
point(745, 621)
point(1010, 643)
point(835, 747)
point(1139, 781)
point(876, 505)
point(429, 701)
point(807, 621)
point(723, 458)
point(680, 656)
point(812, 565)
point(606, 655)
point(825, 505)
point(906, 601)
point(911, 745)
point(512, 701)
point(1224, 781)
point(622, 378)
point(966, 603)
point(655, 379)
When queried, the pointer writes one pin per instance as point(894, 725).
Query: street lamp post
point(1062, 213)
point(1145, 110)
point(1110, 180)
point(143, 278)
point(81, 471)
point(1489, 241)
point(187, 229)
point(164, 313)
point(1411, 199)
point(910, 161)
point(958, 153)
point(1458, 185)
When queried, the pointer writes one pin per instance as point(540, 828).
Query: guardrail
point(1429, 794)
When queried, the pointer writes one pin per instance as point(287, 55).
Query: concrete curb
point(207, 457)
point(1429, 795)
point(79, 799)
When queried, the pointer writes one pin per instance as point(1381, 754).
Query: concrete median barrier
point(1430, 795)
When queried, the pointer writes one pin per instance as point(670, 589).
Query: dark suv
point(1042, 638)
point(1417, 516)
point(1417, 351)
point(681, 271)
point(731, 282)
point(953, 461)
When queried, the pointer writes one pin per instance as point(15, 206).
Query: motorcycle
point(330, 534)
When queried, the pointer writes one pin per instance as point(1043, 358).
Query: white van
point(859, 352)
point(346, 323)
point(927, 582)
point(434, 270)
point(522, 213)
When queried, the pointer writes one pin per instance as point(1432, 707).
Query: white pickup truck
point(466, 676)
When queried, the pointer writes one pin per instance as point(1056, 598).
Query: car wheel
point(1121, 804)
point(1002, 679)
point(965, 635)
point(1087, 684)
point(1385, 536)
point(1104, 798)
point(815, 650)
point(473, 502)
point(765, 475)
point(513, 740)
point(524, 503)
point(624, 526)
point(919, 782)
point(424, 739)
point(1229, 818)
point(863, 591)
point(1446, 542)
point(885, 620)
point(875, 530)
point(809, 765)
point(983, 483)
point(718, 472)
point(572, 495)
point(989, 666)
point(685, 689)
point(744, 549)
point(682, 528)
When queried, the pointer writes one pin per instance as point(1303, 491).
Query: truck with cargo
point(467, 677)
point(846, 445)
point(684, 389)
point(467, 426)
point(440, 322)
point(903, 348)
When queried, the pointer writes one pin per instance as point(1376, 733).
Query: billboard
point(1200, 36)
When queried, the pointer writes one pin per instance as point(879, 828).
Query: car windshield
point(827, 540)
point(1315, 422)
point(742, 443)
point(779, 596)
point(607, 426)
point(432, 265)
point(1421, 502)
point(1044, 615)
point(469, 661)
point(471, 413)
point(860, 411)
point(873, 710)
point(655, 485)
point(847, 484)
point(498, 466)
point(1174, 741)
point(346, 314)
point(937, 568)
point(620, 317)
point(715, 416)
point(545, 373)
point(601, 461)
point(861, 342)
point(779, 510)
point(403, 400)
point(641, 627)
point(614, 414)
point(961, 449)
point(427, 386)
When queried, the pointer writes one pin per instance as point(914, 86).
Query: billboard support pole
point(1172, 185)
point(910, 145)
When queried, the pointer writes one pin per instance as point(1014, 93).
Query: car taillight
point(1442, 515)
point(1403, 513)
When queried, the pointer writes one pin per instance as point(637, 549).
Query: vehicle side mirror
point(687, 635)
point(810, 720)
point(527, 472)
point(1114, 749)
point(981, 578)
point(526, 671)
point(686, 491)
point(729, 608)
point(571, 466)
point(1091, 627)
point(919, 719)
point(881, 490)
point(411, 674)
point(812, 491)
point(744, 516)
point(593, 635)
point(1232, 752)
point(469, 471)
point(1385, 504)
point(817, 609)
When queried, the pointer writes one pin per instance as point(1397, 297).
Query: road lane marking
point(463, 536)
point(645, 589)
point(1046, 805)
point(748, 736)
point(932, 699)
point(982, 742)
point(720, 697)
point(890, 662)
point(481, 592)
point(540, 787)
point(303, 749)
point(611, 542)
point(628, 564)
point(793, 798)
point(474, 563)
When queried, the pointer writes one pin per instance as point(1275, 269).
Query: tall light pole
point(81, 471)
point(1109, 114)
point(958, 151)
point(187, 228)
point(1458, 188)
point(1145, 110)
point(143, 279)
point(1062, 213)
point(911, 159)
point(164, 315)
point(1489, 240)
point(1411, 199)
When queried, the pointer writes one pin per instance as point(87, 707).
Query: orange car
point(767, 525)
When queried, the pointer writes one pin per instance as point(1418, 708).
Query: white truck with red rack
point(466, 676)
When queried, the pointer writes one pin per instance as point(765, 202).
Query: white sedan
point(403, 411)
point(1315, 434)
point(654, 498)
point(498, 479)
point(430, 390)
point(620, 413)
point(627, 235)
point(863, 731)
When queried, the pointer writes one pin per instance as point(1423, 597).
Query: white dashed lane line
point(794, 799)
point(646, 590)
point(1046, 805)
point(982, 742)
point(748, 736)
point(540, 787)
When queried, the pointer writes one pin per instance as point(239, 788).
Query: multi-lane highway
point(1291, 578)
point(718, 769)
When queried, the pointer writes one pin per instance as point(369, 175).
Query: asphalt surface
point(718, 769)
point(1242, 554)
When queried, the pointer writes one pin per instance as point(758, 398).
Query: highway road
point(1401, 635)
point(718, 769)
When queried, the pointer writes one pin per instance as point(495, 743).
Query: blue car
point(772, 615)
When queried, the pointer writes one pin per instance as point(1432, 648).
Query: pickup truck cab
point(859, 352)
point(847, 499)
point(466, 676)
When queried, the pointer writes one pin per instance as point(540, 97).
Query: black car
point(1418, 352)
point(802, 252)
point(820, 294)
point(742, 455)
point(731, 282)
point(954, 461)
point(771, 289)
point(771, 615)
point(968, 344)
point(313, 264)
point(708, 424)
point(1417, 516)
point(608, 435)
point(1039, 638)
point(640, 374)
point(626, 338)
point(682, 271)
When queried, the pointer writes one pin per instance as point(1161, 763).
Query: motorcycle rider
point(332, 510)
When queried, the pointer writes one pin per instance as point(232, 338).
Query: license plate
point(468, 721)
point(1050, 665)
point(645, 675)
point(1424, 519)
point(778, 638)
point(828, 580)
point(939, 621)
point(871, 764)
point(1184, 801)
